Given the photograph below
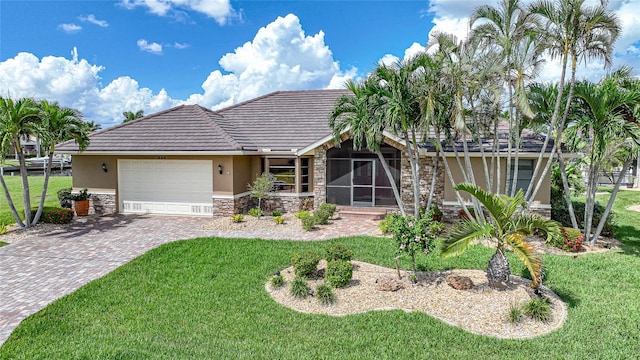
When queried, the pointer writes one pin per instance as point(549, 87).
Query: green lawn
point(14, 183)
point(205, 299)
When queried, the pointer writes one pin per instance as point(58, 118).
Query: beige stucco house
point(194, 161)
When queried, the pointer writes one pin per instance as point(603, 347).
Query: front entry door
point(362, 182)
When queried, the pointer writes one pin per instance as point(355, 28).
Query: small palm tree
point(508, 226)
point(130, 115)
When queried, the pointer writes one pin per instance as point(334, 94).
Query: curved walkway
point(40, 269)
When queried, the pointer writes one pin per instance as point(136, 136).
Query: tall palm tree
point(573, 32)
point(130, 116)
point(609, 118)
point(360, 114)
point(93, 126)
point(508, 226)
point(58, 124)
point(17, 119)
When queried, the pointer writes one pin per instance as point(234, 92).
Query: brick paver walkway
point(38, 270)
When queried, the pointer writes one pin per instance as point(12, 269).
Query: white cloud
point(70, 28)
point(219, 10)
point(153, 47)
point(76, 83)
point(92, 19)
point(280, 57)
point(178, 45)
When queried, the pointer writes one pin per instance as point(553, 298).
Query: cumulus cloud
point(178, 45)
point(70, 28)
point(281, 56)
point(153, 47)
point(76, 83)
point(219, 10)
point(93, 20)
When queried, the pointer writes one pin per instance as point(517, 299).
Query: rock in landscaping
point(388, 284)
point(459, 282)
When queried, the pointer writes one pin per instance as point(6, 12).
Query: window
point(284, 174)
point(525, 173)
point(304, 174)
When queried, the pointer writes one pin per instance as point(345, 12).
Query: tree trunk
point(434, 178)
point(10, 202)
point(567, 191)
point(498, 271)
point(26, 197)
point(614, 193)
point(396, 194)
point(44, 188)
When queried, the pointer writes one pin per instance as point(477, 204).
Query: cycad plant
point(508, 225)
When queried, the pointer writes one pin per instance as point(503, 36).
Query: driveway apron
point(40, 269)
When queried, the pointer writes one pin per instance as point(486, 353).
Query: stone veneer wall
point(241, 205)
point(425, 169)
point(100, 204)
point(319, 176)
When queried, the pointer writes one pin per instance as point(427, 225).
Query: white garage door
point(166, 186)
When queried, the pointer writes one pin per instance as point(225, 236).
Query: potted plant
point(81, 202)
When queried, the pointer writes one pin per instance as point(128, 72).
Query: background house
point(191, 160)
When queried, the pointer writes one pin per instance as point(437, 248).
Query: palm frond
point(525, 252)
point(458, 239)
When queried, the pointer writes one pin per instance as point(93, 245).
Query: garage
point(175, 187)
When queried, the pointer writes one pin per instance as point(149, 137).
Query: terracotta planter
point(81, 207)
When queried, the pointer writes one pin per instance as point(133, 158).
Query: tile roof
point(279, 121)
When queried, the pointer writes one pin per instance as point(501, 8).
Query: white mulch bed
point(480, 310)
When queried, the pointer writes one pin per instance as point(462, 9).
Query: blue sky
point(106, 57)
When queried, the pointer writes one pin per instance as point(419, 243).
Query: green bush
point(3, 229)
point(65, 198)
point(255, 211)
point(538, 309)
point(385, 224)
point(515, 314)
point(299, 288)
point(560, 213)
point(54, 215)
point(339, 273)
point(278, 220)
point(338, 252)
point(302, 213)
point(277, 281)
point(276, 213)
point(237, 218)
point(308, 222)
point(321, 216)
point(305, 262)
point(325, 294)
point(329, 208)
point(433, 213)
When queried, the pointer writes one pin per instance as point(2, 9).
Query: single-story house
point(195, 161)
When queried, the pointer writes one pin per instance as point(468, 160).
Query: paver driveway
point(36, 271)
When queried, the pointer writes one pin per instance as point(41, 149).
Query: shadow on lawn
point(85, 225)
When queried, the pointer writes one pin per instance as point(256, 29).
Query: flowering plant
point(572, 240)
point(412, 235)
point(462, 215)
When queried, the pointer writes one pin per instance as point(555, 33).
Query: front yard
point(14, 183)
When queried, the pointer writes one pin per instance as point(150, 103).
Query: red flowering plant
point(463, 215)
point(572, 240)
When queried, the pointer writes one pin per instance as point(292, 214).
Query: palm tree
point(508, 226)
point(359, 113)
point(609, 117)
point(93, 126)
point(58, 124)
point(130, 116)
point(572, 32)
point(17, 118)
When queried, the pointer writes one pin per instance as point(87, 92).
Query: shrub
point(278, 220)
point(385, 224)
point(329, 208)
point(538, 309)
point(560, 213)
point(339, 273)
point(433, 212)
point(305, 262)
point(237, 218)
point(3, 228)
point(306, 204)
point(308, 222)
point(299, 288)
point(464, 216)
point(255, 211)
point(321, 216)
point(277, 281)
point(54, 215)
point(276, 213)
point(572, 240)
point(81, 195)
point(302, 213)
point(64, 196)
point(338, 252)
point(325, 294)
point(412, 235)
